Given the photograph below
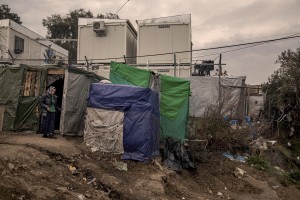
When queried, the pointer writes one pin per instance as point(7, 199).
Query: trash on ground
point(278, 168)
point(239, 173)
point(158, 164)
point(233, 157)
point(272, 142)
point(176, 155)
point(121, 166)
point(259, 144)
point(73, 170)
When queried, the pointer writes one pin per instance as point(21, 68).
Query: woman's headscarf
point(51, 88)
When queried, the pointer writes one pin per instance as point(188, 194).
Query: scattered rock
point(210, 191)
point(22, 197)
point(219, 194)
point(81, 197)
point(4, 172)
point(63, 189)
point(11, 166)
point(88, 195)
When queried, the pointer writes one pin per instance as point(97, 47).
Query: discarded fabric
point(175, 156)
point(235, 157)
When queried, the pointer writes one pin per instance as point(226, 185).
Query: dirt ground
point(32, 167)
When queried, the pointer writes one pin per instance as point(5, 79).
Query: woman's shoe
point(52, 136)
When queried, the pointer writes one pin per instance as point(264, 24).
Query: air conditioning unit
point(98, 26)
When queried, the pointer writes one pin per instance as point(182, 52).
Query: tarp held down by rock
point(141, 116)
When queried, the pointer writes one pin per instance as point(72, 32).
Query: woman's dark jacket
point(45, 103)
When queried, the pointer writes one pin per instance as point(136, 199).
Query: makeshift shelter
point(174, 96)
point(135, 109)
point(22, 86)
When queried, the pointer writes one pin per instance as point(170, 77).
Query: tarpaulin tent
point(22, 86)
point(141, 117)
point(205, 93)
point(174, 95)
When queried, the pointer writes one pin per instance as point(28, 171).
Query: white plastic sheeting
point(255, 105)
point(104, 130)
point(205, 93)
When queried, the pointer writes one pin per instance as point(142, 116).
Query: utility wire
point(237, 49)
point(122, 7)
point(285, 34)
point(204, 49)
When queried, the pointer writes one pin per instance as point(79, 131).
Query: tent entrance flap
point(74, 102)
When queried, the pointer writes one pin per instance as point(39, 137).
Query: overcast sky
point(214, 23)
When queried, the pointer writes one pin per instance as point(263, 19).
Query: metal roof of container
point(182, 19)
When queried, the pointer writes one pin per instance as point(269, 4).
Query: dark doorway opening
point(59, 85)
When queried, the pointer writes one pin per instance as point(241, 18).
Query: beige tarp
point(104, 130)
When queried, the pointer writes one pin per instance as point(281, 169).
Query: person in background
point(49, 108)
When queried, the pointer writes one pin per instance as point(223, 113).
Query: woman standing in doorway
point(49, 107)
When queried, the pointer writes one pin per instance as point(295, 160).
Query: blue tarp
point(141, 116)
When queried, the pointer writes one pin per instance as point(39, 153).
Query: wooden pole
point(220, 73)
point(174, 65)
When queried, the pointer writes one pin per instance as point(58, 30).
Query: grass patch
point(258, 163)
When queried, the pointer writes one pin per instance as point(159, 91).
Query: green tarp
point(127, 75)
point(27, 117)
point(174, 106)
point(10, 87)
point(174, 97)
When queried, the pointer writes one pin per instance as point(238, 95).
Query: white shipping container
point(116, 39)
point(164, 35)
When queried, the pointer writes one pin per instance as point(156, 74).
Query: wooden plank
point(38, 83)
point(32, 84)
point(26, 84)
point(29, 83)
point(56, 71)
point(2, 110)
point(28, 80)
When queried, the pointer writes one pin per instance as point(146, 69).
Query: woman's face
point(53, 91)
